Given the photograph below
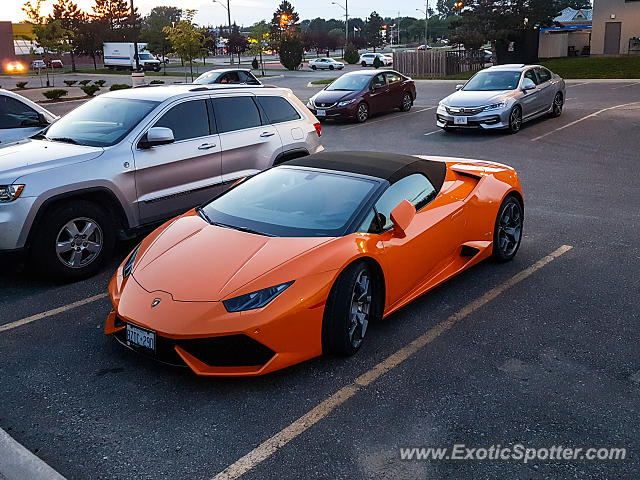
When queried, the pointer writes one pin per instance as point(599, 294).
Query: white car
point(325, 63)
point(20, 117)
point(367, 59)
point(38, 64)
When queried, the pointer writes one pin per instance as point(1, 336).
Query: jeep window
point(186, 120)
point(236, 113)
point(100, 122)
point(15, 114)
point(278, 110)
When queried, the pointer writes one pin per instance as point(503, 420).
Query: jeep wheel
point(73, 241)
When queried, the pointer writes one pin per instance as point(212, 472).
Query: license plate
point(460, 120)
point(321, 113)
point(141, 337)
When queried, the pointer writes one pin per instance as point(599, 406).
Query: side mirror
point(157, 136)
point(401, 216)
point(459, 86)
point(527, 84)
point(42, 120)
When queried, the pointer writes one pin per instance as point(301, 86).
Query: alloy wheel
point(406, 102)
point(515, 120)
point(360, 307)
point(79, 242)
point(363, 112)
point(557, 105)
point(510, 229)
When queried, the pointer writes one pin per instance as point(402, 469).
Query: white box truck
point(119, 56)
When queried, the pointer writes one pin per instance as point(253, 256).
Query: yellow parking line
point(582, 119)
point(388, 118)
point(49, 313)
point(280, 439)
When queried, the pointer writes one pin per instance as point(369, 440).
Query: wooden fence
point(437, 64)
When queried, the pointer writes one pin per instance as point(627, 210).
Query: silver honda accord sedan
point(503, 97)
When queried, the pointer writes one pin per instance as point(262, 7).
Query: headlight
point(344, 103)
point(254, 300)
point(310, 103)
point(128, 265)
point(495, 106)
point(8, 193)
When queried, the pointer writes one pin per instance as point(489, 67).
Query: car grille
point(324, 105)
point(464, 110)
point(226, 351)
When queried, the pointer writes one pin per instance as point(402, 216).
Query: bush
point(254, 63)
point(100, 83)
point(89, 90)
point(119, 86)
point(156, 82)
point(69, 83)
point(55, 94)
point(84, 82)
point(21, 85)
point(377, 63)
point(351, 55)
point(291, 50)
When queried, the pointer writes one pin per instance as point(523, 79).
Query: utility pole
point(228, 7)
point(135, 37)
point(426, 24)
point(346, 20)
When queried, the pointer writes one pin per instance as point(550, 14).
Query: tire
point(331, 67)
point(313, 67)
point(350, 308)
point(362, 113)
point(407, 102)
point(64, 226)
point(364, 64)
point(556, 107)
point(515, 119)
point(507, 232)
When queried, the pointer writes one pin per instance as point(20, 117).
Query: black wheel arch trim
point(290, 155)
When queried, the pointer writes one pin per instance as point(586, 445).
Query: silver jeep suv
point(130, 159)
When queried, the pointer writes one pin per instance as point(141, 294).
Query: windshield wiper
point(240, 228)
point(200, 212)
point(63, 139)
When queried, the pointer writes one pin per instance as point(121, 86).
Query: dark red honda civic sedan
point(358, 95)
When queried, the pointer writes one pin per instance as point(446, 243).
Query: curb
point(18, 463)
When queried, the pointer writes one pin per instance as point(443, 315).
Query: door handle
point(267, 134)
point(206, 146)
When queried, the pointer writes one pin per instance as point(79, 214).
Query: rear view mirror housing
point(156, 136)
point(402, 216)
point(42, 120)
point(459, 86)
point(528, 84)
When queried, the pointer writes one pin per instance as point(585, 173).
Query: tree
point(284, 21)
point(153, 29)
point(117, 16)
point(258, 40)
point(238, 43)
point(351, 55)
point(70, 17)
point(89, 38)
point(446, 8)
point(186, 39)
point(291, 51)
point(373, 27)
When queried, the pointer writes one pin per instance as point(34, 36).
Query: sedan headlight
point(495, 106)
point(310, 103)
point(128, 265)
point(344, 103)
point(254, 300)
point(8, 193)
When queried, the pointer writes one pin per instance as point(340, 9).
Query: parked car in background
point(38, 64)
point(56, 63)
point(232, 76)
point(20, 118)
point(488, 56)
point(325, 63)
point(162, 59)
point(424, 47)
point(358, 95)
point(503, 97)
point(367, 59)
point(130, 159)
point(14, 67)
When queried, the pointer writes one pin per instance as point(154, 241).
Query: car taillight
point(318, 128)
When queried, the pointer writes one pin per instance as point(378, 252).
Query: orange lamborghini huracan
point(296, 261)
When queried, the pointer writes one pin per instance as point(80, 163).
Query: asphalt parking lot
point(550, 358)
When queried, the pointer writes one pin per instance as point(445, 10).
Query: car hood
point(330, 97)
point(476, 99)
point(193, 260)
point(29, 156)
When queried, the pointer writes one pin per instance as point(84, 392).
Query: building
point(571, 37)
point(616, 27)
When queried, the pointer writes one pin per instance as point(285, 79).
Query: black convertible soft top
point(388, 166)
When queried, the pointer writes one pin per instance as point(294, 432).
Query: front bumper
point(335, 113)
point(212, 342)
point(489, 120)
point(14, 217)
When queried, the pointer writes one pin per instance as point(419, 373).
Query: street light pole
point(135, 37)
point(346, 20)
point(426, 24)
point(228, 8)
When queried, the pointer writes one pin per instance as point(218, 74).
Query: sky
point(248, 12)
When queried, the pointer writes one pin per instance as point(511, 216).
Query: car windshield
point(493, 80)
point(352, 83)
point(101, 122)
point(145, 56)
point(206, 78)
point(291, 202)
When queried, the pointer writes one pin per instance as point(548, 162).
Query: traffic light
point(458, 5)
point(284, 18)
